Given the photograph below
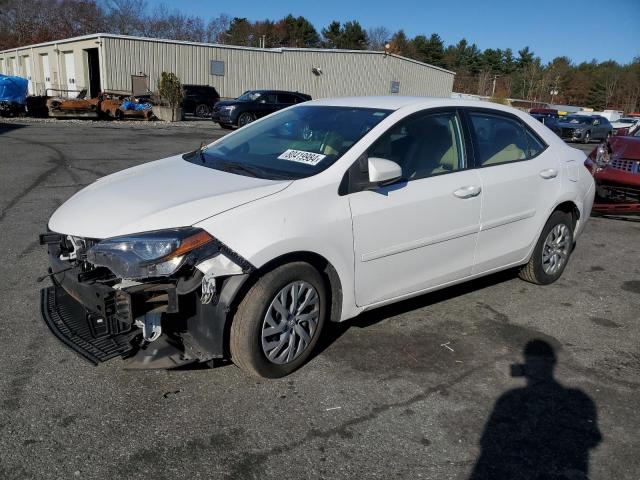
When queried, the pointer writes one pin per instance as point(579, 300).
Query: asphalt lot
point(407, 391)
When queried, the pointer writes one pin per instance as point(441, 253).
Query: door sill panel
point(407, 296)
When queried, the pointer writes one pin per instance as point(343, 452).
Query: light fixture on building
point(317, 71)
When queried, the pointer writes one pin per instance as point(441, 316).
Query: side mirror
point(382, 171)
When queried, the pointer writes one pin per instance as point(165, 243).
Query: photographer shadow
point(542, 431)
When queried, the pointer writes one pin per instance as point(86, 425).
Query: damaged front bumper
point(101, 317)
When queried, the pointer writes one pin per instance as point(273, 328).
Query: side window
point(596, 121)
point(270, 98)
point(423, 145)
point(534, 143)
point(286, 98)
point(499, 139)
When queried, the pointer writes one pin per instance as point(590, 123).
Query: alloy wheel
point(556, 249)
point(290, 322)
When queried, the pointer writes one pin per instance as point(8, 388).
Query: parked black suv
point(199, 100)
point(254, 104)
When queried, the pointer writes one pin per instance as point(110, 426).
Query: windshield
point(577, 119)
point(626, 120)
point(249, 96)
point(291, 144)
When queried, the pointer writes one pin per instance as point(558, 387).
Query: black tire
point(587, 137)
point(202, 111)
point(245, 342)
point(534, 271)
point(245, 119)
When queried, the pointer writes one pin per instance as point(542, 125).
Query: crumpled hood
point(166, 193)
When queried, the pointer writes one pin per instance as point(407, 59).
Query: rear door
point(420, 232)
point(520, 181)
point(267, 103)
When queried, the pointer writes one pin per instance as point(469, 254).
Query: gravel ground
point(420, 389)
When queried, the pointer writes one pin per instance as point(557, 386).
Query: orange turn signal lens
point(186, 245)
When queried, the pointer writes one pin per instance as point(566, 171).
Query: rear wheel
point(245, 118)
point(278, 322)
point(202, 111)
point(552, 251)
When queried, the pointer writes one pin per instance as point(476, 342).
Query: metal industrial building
point(105, 62)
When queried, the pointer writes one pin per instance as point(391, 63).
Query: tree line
point(498, 73)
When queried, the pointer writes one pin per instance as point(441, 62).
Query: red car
point(615, 167)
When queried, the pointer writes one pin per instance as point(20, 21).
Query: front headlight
point(229, 108)
point(152, 254)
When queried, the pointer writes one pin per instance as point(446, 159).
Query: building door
point(27, 70)
point(46, 72)
point(70, 68)
point(11, 66)
point(93, 64)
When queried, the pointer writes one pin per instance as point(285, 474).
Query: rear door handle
point(549, 173)
point(468, 191)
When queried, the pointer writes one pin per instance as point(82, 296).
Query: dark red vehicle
point(615, 167)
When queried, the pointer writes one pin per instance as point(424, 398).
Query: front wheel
point(245, 119)
point(552, 251)
point(279, 321)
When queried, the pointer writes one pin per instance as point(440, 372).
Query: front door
point(520, 181)
point(422, 231)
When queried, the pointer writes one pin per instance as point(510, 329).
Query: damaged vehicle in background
point(615, 166)
point(245, 248)
point(584, 128)
point(626, 126)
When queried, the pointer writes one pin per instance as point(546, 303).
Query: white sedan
point(245, 248)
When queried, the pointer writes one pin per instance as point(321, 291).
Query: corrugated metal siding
point(344, 73)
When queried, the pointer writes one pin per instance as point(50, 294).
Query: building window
point(217, 67)
point(395, 86)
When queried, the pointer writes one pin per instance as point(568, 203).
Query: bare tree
point(217, 27)
point(378, 37)
point(126, 17)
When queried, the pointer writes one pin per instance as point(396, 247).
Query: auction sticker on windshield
point(301, 156)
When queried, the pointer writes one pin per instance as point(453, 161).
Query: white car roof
point(387, 102)
point(395, 102)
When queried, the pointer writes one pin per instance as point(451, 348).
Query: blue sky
point(580, 29)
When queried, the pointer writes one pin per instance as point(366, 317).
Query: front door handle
point(468, 191)
point(549, 173)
